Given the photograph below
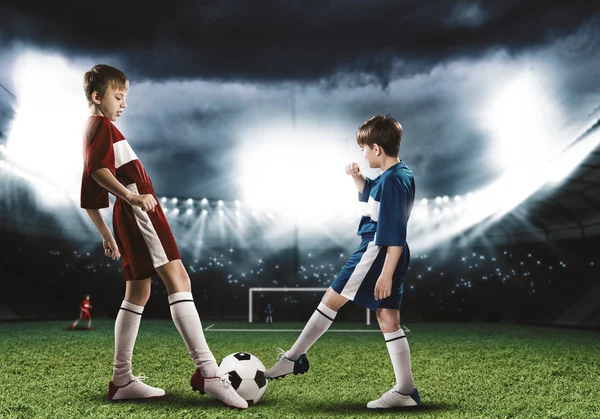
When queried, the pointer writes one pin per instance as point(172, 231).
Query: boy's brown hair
point(100, 78)
point(384, 131)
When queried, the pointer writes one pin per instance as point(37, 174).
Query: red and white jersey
point(144, 238)
point(105, 147)
point(85, 305)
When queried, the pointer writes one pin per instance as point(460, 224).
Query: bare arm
point(98, 221)
point(108, 242)
point(106, 179)
point(353, 169)
point(383, 287)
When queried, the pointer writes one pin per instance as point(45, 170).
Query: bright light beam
point(45, 135)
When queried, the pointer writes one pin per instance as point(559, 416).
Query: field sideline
point(461, 370)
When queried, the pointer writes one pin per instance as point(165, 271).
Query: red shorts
point(85, 315)
point(145, 239)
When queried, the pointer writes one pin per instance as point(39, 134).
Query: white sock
point(126, 330)
point(318, 324)
point(186, 319)
point(397, 346)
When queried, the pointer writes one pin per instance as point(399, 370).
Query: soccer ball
point(247, 375)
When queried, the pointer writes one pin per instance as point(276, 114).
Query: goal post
point(284, 289)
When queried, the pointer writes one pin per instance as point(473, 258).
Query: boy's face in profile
point(112, 103)
point(370, 156)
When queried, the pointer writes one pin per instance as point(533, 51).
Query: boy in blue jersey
point(373, 276)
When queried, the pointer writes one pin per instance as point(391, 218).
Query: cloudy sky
point(229, 98)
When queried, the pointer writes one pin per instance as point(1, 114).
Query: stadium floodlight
point(524, 122)
point(174, 200)
point(190, 201)
point(204, 201)
point(220, 203)
point(189, 211)
point(36, 138)
point(284, 289)
point(312, 154)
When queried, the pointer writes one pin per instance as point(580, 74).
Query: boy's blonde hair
point(384, 131)
point(100, 78)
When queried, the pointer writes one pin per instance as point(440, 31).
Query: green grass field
point(461, 370)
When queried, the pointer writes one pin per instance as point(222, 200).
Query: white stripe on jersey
point(155, 247)
point(372, 209)
point(123, 153)
point(360, 271)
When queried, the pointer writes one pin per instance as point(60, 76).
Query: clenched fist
point(353, 169)
point(145, 202)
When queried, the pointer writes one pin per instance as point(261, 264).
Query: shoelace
point(281, 353)
point(225, 380)
point(394, 389)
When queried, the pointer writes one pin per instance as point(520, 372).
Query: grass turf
point(461, 370)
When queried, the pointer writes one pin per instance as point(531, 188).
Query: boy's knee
point(389, 320)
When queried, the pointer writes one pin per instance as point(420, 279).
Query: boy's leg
point(123, 384)
point(292, 360)
point(127, 326)
point(185, 316)
point(404, 393)
point(208, 376)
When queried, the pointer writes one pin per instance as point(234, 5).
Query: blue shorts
point(356, 281)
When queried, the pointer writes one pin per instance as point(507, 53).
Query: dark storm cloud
point(275, 40)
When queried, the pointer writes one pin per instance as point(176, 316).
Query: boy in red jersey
point(143, 241)
point(84, 313)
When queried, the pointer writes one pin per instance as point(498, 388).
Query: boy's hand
point(111, 249)
point(383, 287)
point(353, 169)
point(145, 202)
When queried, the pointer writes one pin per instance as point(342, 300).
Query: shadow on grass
point(171, 400)
point(355, 408)
point(190, 401)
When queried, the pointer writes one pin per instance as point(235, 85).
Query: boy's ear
point(376, 149)
point(96, 97)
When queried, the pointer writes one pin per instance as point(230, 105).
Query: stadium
point(501, 303)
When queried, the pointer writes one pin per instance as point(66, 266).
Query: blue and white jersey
point(389, 197)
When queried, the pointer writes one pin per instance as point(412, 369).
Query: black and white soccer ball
point(247, 375)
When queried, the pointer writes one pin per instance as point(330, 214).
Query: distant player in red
point(84, 313)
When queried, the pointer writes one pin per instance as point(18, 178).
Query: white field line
point(293, 330)
point(210, 329)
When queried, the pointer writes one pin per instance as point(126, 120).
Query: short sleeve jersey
point(105, 147)
point(85, 305)
point(390, 198)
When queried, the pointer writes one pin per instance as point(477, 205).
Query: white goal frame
point(284, 289)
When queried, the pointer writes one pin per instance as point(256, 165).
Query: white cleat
point(393, 399)
point(285, 366)
point(220, 388)
point(135, 389)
